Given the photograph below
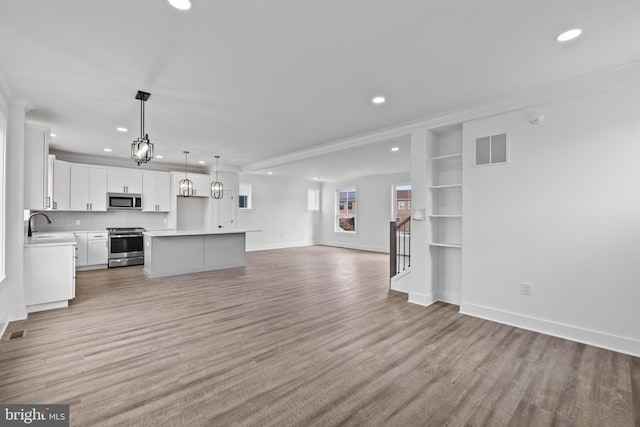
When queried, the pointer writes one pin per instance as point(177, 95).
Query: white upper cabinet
point(60, 186)
point(88, 189)
point(124, 181)
point(36, 165)
point(156, 192)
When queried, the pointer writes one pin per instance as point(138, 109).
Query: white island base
point(169, 253)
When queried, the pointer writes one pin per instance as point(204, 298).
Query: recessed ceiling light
point(315, 178)
point(53, 135)
point(181, 4)
point(378, 100)
point(121, 129)
point(108, 150)
point(201, 162)
point(568, 35)
point(159, 156)
point(395, 149)
point(269, 173)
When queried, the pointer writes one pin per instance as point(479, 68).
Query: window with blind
point(313, 200)
point(244, 196)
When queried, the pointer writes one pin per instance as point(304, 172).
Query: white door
point(225, 206)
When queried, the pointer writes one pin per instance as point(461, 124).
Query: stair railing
point(399, 246)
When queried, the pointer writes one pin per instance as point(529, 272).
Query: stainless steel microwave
point(124, 201)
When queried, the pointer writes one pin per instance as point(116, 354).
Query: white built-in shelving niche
point(446, 188)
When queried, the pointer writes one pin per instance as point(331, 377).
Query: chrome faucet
point(29, 233)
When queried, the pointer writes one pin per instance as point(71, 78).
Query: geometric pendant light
point(216, 186)
point(185, 186)
point(142, 148)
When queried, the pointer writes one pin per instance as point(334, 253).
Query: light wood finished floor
point(305, 337)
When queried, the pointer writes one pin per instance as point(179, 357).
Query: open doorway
point(401, 212)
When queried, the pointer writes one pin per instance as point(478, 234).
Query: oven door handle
point(120, 236)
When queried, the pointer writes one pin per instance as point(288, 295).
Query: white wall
point(564, 216)
point(373, 212)
point(4, 114)
point(279, 209)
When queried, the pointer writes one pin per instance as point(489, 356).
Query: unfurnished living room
point(407, 213)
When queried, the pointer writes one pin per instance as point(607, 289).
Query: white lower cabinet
point(49, 276)
point(92, 249)
point(81, 249)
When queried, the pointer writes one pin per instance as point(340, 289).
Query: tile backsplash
point(94, 221)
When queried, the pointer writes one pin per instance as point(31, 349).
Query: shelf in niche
point(439, 187)
point(446, 245)
point(448, 156)
point(445, 216)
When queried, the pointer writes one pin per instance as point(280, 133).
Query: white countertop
point(50, 239)
point(174, 233)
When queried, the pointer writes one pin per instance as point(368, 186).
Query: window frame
point(336, 220)
point(316, 198)
point(249, 197)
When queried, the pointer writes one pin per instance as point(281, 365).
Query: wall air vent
point(491, 150)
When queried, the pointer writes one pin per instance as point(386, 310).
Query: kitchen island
point(171, 252)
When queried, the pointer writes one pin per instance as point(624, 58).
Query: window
point(400, 206)
point(313, 200)
point(491, 150)
point(346, 218)
point(244, 196)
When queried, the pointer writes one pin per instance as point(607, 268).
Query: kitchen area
point(84, 216)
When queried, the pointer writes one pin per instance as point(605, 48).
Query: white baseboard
point(17, 313)
point(421, 299)
point(357, 247)
point(454, 298)
point(573, 333)
point(252, 248)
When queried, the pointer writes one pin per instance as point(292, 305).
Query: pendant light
point(142, 148)
point(185, 186)
point(216, 186)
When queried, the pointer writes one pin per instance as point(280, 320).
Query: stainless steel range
point(126, 247)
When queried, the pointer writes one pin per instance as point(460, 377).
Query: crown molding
point(24, 104)
point(622, 75)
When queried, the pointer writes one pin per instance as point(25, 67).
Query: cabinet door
point(134, 182)
point(98, 189)
point(81, 249)
point(116, 181)
point(149, 192)
point(79, 189)
point(164, 192)
point(60, 187)
point(36, 162)
point(97, 251)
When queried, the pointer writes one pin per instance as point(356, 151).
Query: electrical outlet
point(77, 222)
point(525, 289)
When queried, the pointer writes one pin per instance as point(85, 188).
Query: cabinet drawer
point(94, 236)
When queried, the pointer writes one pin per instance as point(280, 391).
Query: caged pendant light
point(216, 186)
point(185, 186)
point(142, 148)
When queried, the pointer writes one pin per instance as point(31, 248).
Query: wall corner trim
point(573, 333)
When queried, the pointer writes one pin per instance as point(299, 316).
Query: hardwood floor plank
point(300, 337)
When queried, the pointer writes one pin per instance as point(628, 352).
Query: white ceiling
point(255, 80)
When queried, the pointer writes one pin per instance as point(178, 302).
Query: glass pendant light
point(142, 148)
point(216, 186)
point(185, 186)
